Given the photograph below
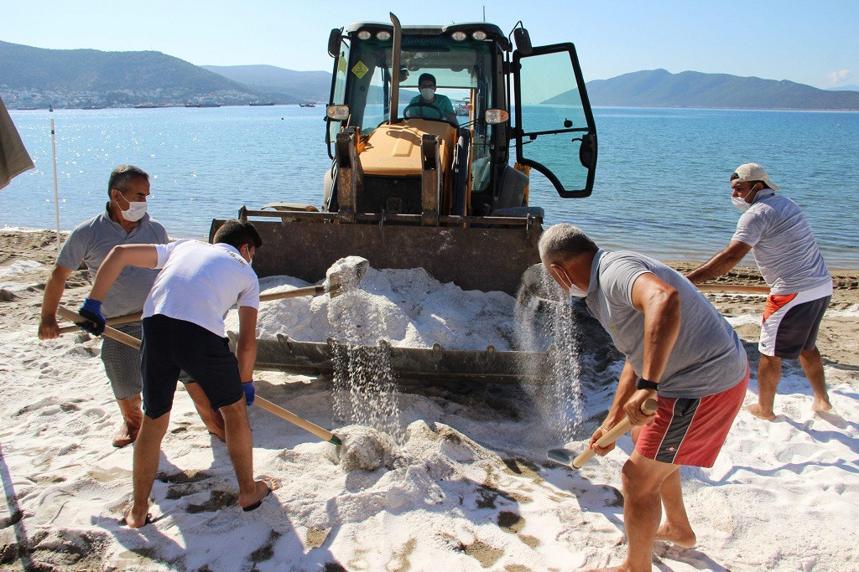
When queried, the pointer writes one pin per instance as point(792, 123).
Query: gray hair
point(122, 174)
point(564, 241)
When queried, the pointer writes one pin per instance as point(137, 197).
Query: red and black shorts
point(691, 431)
point(790, 321)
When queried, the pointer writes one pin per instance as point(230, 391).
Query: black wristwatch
point(646, 384)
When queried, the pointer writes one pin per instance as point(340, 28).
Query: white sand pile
point(467, 488)
point(409, 308)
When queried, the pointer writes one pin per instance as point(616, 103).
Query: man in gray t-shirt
point(680, 351)
point(777, 233)
point(124, 221)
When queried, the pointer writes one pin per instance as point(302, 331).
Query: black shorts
point(171, 346)
point(791, 322)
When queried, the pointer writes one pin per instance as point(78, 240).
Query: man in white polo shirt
point(124, 221)
point(183, 330)
point(776, 231)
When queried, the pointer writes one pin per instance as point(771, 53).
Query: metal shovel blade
point(561, 456)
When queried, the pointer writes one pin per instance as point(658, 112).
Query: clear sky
point(812, 42)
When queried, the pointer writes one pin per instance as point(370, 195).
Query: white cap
point(748, 172)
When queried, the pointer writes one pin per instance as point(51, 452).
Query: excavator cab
point(427, 179)
point(375, 93)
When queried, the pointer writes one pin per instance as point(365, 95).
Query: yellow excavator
point(411, 185)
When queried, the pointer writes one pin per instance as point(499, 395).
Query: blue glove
point(95, 321)
point(248, 388)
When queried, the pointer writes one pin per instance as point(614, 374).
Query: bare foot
point(758, 411)
point(821, 405)
point(251, 502)
point(137, 517)
point(684, 538)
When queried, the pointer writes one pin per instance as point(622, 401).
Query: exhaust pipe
point(395, 69)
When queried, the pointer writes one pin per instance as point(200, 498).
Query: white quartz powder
point(407, 308)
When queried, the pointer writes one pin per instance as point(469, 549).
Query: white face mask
point(135, 211)
point(576, 292)
point(740, 203)
point(428, 93)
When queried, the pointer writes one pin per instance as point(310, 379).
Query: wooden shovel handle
point(291, 417)
point(294, 293)
point(648, 407)
point(109, 332)
point(263, 403)
point(131, 318)
point(738, 288)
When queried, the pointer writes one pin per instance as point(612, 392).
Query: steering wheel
point(422, 106)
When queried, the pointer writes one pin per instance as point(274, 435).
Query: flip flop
point(257, 504)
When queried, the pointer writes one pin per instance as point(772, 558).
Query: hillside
point(79, 78)
point(279, 84)
point(660, 88)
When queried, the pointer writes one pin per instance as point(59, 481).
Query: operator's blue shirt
point(439, 108)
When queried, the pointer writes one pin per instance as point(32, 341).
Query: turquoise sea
point(661, 185)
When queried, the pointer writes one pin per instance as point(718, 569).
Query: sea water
point(661, 182)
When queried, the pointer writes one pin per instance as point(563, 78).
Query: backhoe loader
point(409, 187)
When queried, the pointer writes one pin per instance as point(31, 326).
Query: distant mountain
point(80, 78)
point(279, 83)
point(851, 87)
point(660, 88)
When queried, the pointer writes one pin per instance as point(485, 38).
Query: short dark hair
point(122, 174)
point(426, 77)
point(237, 233)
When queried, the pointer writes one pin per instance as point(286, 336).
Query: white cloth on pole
point(14, 158)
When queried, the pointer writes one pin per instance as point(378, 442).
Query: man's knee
point(643, 477)
point(811, 353)
point(235, 411)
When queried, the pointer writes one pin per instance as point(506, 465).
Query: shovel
point(565, 456)
point(334, 285)
point(263, 403)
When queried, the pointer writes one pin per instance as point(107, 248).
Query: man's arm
point(246, 348)
point(660, 304)
point(142, 255)
point(56, 285)
point(721, 263)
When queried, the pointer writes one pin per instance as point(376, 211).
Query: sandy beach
point(466, 488)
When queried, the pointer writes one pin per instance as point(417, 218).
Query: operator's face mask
point(428, 93)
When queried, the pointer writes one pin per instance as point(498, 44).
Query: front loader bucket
point(475, 253)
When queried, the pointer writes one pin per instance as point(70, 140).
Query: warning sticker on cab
point(360, 69)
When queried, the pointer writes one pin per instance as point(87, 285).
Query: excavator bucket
point(489, 255)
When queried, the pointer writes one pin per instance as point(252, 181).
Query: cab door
point(555, 131)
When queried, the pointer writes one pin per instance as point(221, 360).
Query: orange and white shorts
point(791, 321)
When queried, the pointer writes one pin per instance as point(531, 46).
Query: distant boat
point(308, 104)
point(209, 104)
point(260, 103)
point(146, 106)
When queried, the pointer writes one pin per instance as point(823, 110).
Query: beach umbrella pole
point(56, 183)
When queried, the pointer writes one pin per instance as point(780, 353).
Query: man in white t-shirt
point(774, 228)
point(183, 330)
